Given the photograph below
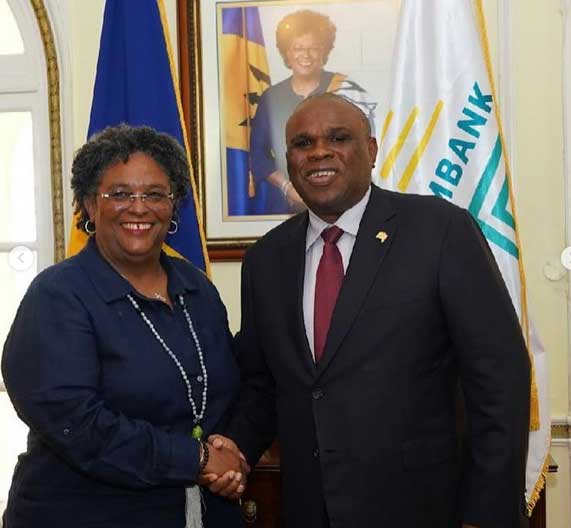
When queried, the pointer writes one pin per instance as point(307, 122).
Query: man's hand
point(218, 442)
point(222, 460)
point(232, 483)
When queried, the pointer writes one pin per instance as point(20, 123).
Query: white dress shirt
point(349, 222)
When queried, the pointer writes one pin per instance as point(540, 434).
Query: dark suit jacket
point(369, 433)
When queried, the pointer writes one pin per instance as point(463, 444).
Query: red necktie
point(327, 285)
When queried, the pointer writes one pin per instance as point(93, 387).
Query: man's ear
point(373, 149)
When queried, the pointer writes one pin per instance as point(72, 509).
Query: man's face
point(329, 155)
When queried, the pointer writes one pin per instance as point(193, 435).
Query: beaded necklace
point(197, 417)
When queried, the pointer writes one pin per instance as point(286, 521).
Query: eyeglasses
point(153, 199)
point(311, 50)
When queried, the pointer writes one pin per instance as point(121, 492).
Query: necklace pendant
point(197, 432)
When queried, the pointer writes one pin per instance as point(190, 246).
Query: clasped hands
point(227, 470)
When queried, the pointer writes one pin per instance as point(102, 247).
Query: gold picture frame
point(201, 30)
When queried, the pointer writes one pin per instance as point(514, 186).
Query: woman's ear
point(90, 205)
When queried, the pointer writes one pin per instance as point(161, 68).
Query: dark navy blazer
point(110, 422)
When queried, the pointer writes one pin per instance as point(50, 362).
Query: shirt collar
point(349, 221)
point(112, 286)
point(178, 282)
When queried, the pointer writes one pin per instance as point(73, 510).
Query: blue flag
point(135, 85)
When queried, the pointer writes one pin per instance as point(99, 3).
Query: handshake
point(226, 469)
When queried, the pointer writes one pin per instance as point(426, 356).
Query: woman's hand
point(222, 460)
point(232, 483)
point(292, 197)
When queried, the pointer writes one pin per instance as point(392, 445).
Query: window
point(26, 233)
point(10, 39)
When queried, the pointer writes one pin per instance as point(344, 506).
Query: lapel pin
point(382, 236)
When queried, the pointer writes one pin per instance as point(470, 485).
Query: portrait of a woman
point(305, 40)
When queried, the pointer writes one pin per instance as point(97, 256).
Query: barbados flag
point(136, 84)
point(442, 136)
point(244, 68)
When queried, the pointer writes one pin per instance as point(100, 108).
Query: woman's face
point(305, 56)
point(131, 232)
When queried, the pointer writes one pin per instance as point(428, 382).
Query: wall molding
point(59, 16)
point(561, 432)
point(54, 112)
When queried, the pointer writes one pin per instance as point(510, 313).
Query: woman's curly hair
point(301, 23)
point(115, 144)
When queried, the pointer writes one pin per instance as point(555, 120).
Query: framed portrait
point(244, 67)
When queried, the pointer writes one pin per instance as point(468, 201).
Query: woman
point(119, 358)
point(305, 40)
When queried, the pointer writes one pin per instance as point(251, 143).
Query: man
point(351, 350)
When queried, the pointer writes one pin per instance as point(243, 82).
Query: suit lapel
point(366, 259)
point(292, 261)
